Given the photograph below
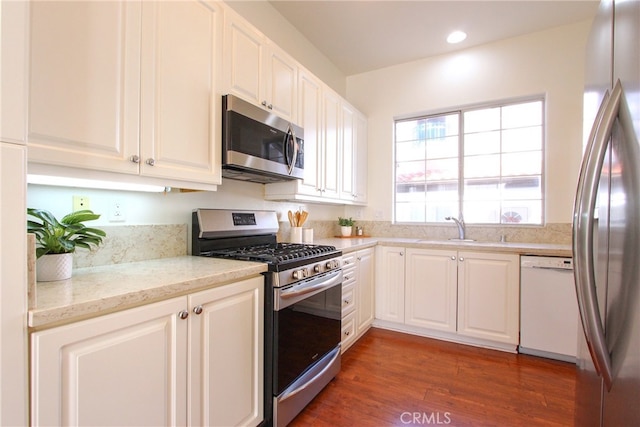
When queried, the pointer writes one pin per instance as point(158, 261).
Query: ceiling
point(360, 36)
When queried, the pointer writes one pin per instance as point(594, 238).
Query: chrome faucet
point(459, 223)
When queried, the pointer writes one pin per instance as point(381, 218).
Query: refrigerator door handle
point(583, 224)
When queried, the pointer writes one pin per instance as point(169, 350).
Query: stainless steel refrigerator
point(606, 223)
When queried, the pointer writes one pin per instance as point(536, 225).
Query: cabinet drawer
point(348, 261)
point(348, 301)
point(348, 331)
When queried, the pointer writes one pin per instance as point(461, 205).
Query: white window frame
point(460, 111)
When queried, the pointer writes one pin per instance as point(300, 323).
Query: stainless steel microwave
point(259, 146)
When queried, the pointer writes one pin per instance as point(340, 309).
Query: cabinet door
point(226, 360)
point(431, 289)
point(127, 368)
point(310, 119)
point(244, 55)
point(489, 296)
point(361, 160)
point(180, 97)
point(13, 71)
point(347, 128)
point(389, 281)
point(84, 78)
point(331, 145)
point(281, 87)
point(364, 288)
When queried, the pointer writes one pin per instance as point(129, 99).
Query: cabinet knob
point(264, 103)
point(347, 333)
point(401, 253)
point(150, 162)
point(461, 258)
point(346, 302)
point(135, 158)
point(183, 314)
point(197, 309)
point(453, 257)
point(270, 106)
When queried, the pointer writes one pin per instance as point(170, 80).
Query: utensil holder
point(296, 235)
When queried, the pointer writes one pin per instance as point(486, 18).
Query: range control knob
point(317, 268)
point(332, 264)
point(300, 274)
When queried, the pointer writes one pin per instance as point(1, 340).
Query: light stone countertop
point(544, 249)
point(95, 291)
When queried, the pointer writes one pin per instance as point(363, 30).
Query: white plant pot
point(345, 230)
point(52, 267)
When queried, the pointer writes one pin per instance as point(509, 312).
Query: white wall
point(549, 62)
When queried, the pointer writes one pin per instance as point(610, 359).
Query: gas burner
point(273, 253)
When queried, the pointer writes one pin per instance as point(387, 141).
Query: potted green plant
point(57, 240)
point(345, 225)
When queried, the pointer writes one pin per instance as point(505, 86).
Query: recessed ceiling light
point(456, 37)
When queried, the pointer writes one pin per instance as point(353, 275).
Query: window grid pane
point(500, 165)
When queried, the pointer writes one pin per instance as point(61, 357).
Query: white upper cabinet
point(335, 141)
point(84, 84)
point(353, 177)
point(347, 128)
point(126, 87)
point(181, 112)
point(13, 61)
point(332, 135)
point(361, 161)
point(257, 70)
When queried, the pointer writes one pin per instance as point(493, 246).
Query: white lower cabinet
point(191, 360)
point(458, 295)
point(357, 295)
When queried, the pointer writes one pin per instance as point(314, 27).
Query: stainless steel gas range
point(303, 293)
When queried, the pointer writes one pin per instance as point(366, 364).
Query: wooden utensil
point(291, 221)
point(303, 217)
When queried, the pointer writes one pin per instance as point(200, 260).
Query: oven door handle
point(289, 394)
point(285, 298)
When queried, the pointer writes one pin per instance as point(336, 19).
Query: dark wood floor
point(394, 379)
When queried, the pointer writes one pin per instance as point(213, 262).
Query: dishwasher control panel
point(546, 262)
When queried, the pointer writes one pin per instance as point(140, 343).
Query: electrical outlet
point(116, 213)
point(80, 203)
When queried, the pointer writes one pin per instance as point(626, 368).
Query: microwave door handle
point(291, 138)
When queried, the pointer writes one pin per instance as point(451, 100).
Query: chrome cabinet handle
point(197, 309)
point(183, 314)
point(346, 302)
point(151, 162)
point(135, 158)
point(347, 333)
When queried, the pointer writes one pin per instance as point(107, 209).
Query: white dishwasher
point(549, 316)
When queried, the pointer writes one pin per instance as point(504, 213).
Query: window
point(485, 163)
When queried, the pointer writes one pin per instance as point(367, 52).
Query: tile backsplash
point(143, 242)
point(135, 243)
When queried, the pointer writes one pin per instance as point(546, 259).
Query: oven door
point(307, 325)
